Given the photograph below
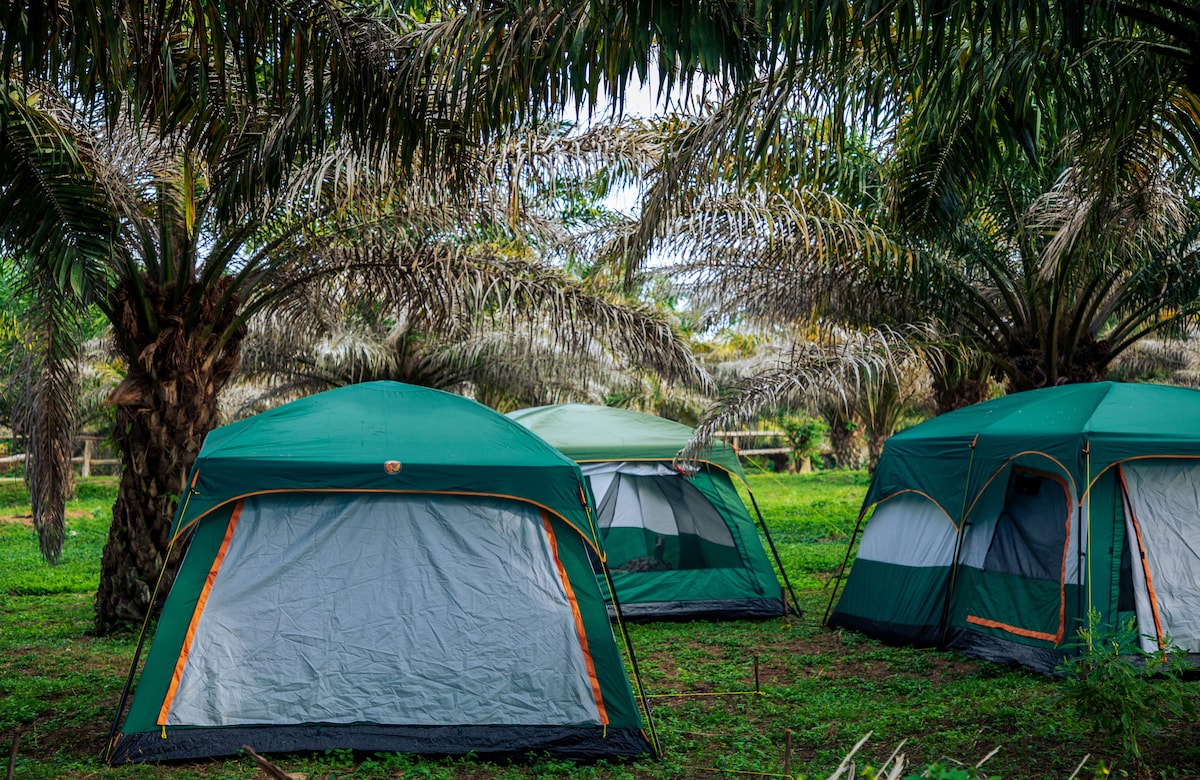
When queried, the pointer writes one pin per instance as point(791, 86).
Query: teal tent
point(678, 545)
point(382, 568)
point(994, 529)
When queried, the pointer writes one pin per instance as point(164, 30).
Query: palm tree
point(1035, 269)
point(182, 273)
point(397, 77)
point(528, 360)
point(989, 77)
point(1080, 242)
point(244, 96)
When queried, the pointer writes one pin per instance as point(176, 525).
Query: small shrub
point(1126, 693)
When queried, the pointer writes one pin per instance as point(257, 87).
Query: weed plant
point(1127, 693)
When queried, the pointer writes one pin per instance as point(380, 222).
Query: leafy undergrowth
point(728, 699)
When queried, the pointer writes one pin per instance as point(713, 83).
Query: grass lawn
point(818, 690)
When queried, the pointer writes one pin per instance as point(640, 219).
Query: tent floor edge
point(717, 609)
point(579, 743)
point(987, 647)
point(923, 636)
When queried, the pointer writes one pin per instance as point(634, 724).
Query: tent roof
point(384, 436)
point(586, 432)
point(1083, 428)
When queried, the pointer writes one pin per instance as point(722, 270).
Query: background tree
point(183, 277)
point(1067, 247)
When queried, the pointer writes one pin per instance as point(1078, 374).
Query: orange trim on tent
point(582, 533)
point(1061, 478)
point(200, 603)
point(914, 491)
point(583, 644)
point(1137, 532)
point(1014, 630)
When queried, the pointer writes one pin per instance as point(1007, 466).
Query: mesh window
point(1031, 532)
point(655, 523)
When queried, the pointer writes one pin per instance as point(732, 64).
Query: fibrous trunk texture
point(847, 441)
point(164, 408)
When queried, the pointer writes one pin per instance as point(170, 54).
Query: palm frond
point(51, 213)
point(48, 414)
point(809, 371)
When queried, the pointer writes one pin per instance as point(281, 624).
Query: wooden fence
point(771, 445)
point(92, 449)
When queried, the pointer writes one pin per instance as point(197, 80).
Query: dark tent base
point(1004, 651)
point(1001, 651)
point(589, 743)
point(889, 633)
point(722, 609)
point(969, 643)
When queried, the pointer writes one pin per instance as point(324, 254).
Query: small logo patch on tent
point(392, 466)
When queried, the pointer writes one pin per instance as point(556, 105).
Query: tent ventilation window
point(652, 523)
point(1031, 532)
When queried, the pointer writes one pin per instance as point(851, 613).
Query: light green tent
point(677, 545)
point(382, 568)
point(995, 528)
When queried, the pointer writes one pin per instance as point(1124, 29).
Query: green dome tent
point(676, 545)
point(994, 529)
point(382, 567)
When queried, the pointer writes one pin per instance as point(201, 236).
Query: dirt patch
point(27, 519)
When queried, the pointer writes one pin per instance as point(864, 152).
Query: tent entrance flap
point(659, 521)
point(1163, 499)
point(476, 611)
point(1022, 587)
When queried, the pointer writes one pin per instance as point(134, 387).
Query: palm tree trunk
point(151, 478)
point(875, 442)
point(164, 408)
point(847, 441)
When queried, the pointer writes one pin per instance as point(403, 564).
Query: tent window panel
point(909, 530)
point(1164, 503)
point(1031, 533)
point(415, 610)
point(660, 523)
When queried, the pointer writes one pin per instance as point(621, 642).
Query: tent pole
point(944, 628)
point(762, 523)
point(1087, 455)
point(841, 571)
point(637, 674)
point(112, 731)
point(141, 643)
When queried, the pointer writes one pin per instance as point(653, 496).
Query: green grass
point(825, 690)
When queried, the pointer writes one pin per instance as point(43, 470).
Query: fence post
point(86, 469)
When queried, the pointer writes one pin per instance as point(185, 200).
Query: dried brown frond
point(48, 415)
point(810, 371)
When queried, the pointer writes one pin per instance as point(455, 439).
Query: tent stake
point(787, 752)
point(756, 689)
point(12, 756)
